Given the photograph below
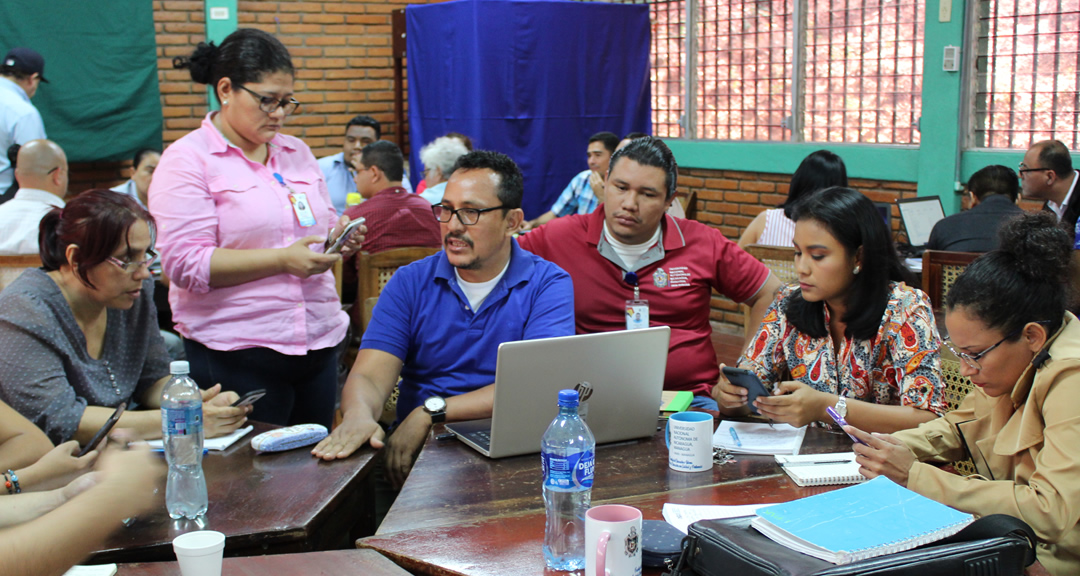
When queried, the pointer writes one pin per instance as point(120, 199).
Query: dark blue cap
point(568, 398)
point(26, 60)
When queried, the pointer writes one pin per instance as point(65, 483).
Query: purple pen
point(841, 422)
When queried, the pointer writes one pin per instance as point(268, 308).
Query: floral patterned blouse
point(900, 365)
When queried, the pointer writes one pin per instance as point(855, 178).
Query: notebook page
point(758, 438)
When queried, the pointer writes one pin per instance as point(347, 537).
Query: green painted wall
point(220, 22)
point(935, 165)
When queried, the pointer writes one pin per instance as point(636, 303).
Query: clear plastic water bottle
point(568, 455)
point(182, 434)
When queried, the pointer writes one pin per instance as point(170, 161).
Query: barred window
point(803, 70)
point(1026, 73)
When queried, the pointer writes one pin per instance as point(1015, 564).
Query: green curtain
point(102, 100)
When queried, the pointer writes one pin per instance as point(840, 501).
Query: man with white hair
point(439, 157)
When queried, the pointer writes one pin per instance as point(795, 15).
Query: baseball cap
point(27, 60)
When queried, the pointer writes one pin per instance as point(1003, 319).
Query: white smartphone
point(349, 229)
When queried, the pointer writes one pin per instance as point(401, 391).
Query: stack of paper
point(682, 516)
point(822, 469)
point(220, 443)
point(754, 438)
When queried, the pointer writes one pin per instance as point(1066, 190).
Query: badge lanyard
point(637, 310)
point(300, 205)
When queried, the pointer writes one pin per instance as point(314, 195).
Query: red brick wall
point(729, 200)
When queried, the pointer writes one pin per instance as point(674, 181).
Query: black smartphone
point(104, 431)
point(249, 398)
point(750, 381)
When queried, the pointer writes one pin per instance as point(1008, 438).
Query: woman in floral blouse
point(851, 335)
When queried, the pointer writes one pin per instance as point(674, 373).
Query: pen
point(818, 462)
point(735, 437)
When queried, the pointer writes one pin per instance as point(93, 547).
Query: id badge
point(637, 314)
point(302, 208)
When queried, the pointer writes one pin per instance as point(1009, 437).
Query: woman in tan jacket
point(1007, 323)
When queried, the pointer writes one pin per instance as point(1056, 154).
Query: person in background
point(439, 320)
point(579, 197)
point(43, 182)
point(993, 192)
point(439, 157)
point(851, 335)
point(633, 246)
point(142, 172)
point(1047, 174)
point(1021, 349)
point(338, 169)
point(81, 516)
point(240, 205)
point(12, 156)
point(774, 227)
point(423, 184)
point(21, 72)
point(79, 335)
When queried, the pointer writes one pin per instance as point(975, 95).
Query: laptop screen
point(919, 216)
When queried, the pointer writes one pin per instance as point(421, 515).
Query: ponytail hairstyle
point(96, 222)
point(244, 57)
point(1024, 280)
point(853, 220)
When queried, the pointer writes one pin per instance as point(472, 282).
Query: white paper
point(102, 570)
point(913, 264)
point(759, 438)
point(220, 443)
point(682, 516)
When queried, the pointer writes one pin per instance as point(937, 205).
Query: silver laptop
point(919, 216)
point(625, 375)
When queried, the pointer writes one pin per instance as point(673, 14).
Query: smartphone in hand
point(249, 398)
point(104, 430)
point(841, 422)
point(350, 228)
point(750, 381)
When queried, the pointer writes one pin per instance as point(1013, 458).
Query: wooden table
point(280, 502)
point(332, 563)
point(462, 514)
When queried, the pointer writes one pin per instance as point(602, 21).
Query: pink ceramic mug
point(613, 541)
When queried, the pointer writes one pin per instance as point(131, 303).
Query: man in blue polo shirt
point(439, 321)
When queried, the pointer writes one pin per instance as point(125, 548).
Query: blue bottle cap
point(568, 397)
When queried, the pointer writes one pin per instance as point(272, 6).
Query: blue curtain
point(531, 79)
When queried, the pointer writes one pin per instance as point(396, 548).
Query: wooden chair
point(373, 271)
point(780, 260)
point(940, 271)
point(690, 205)
point(957, 387)
point(12, 266)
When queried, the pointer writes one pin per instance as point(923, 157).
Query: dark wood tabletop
point(331, 563)
point(276, 502)
point(462, 513)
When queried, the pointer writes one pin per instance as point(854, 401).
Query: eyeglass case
point(288, 438)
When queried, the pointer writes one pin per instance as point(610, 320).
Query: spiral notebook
point(858, 522)
point(822, 469)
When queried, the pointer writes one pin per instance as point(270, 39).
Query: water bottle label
point(573, 471)
point(182, 421)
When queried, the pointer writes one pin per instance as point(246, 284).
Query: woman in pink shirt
point(243, 212)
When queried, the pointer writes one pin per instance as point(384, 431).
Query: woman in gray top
point(80, 335)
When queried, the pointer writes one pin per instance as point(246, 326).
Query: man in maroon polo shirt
point(675, 264)
point(395, 218)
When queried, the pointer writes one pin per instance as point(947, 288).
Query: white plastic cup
point(199, 553)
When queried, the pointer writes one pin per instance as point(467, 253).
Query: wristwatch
point(436, 408)
point(841, 406)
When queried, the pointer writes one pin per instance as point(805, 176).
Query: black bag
point(995, 545)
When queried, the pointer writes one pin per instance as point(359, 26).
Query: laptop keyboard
point(481, 438)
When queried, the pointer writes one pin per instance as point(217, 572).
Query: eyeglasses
point(131, 266)
point(467, 216)
point(269, 104)
point(972, 360)
point(1023, 168)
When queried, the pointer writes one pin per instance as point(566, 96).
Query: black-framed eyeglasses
point(269, 104)
point(467, 216)
point(972, 360)
point(1023, 168)
point(131, 266)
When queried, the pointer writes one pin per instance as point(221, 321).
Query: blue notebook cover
point(861, 521)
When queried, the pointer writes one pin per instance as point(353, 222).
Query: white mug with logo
point(613, 541)
point(689, 441)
